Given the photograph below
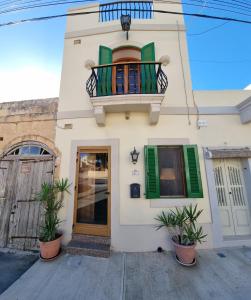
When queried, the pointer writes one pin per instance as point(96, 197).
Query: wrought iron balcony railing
point(127, 78)
point(136, 9)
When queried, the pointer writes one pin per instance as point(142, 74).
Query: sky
point(31, 53)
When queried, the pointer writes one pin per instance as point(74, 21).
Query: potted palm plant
point(52, 198)
point(181, 224)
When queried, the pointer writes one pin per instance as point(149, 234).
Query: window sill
point(173, 197)
point(171, 202)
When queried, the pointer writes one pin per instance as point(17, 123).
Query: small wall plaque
point(135, 172)
point(25, 168)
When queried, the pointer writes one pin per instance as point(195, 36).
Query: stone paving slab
point(138, 276)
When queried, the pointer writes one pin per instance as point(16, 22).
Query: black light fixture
point(134, 155)
point(125, 23)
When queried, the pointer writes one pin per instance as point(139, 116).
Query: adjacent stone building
point(28, 157)
point(33, 120)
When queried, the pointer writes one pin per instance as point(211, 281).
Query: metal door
point(232, 197)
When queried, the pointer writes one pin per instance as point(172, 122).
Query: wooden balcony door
point(126, 76)
point(126, 79)
point(92, 191)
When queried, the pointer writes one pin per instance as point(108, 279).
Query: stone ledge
point(244, 109)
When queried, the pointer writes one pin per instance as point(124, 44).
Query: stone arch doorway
point(23, 169)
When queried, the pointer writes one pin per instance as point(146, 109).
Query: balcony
point(130, 86)
point(136, 9)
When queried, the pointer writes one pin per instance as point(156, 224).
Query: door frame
point(92, 229)
point(216, 229)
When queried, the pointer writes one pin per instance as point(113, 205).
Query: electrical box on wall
point(135, 190)
point(202, 123)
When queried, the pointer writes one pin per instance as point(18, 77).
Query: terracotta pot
point(185, 254)
point(50, 249)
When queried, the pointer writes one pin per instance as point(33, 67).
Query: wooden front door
point(8, 173)
point(22, 173)
point(26, 216)
point(92, 191)
point(232, 197)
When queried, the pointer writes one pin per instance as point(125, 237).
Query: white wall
point(133, 219)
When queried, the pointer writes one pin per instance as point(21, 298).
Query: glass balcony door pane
point(120, 79)
point(127, 79)
point(92, 196)
point(133, 79)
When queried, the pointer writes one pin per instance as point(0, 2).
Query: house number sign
point(135, 172)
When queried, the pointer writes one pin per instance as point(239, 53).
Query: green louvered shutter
point(152, 172)
point(104, 74)
point(148, 73)
point(192, 170)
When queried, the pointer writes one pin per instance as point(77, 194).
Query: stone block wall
point(29, 120)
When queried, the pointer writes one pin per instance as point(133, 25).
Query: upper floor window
point(124, 73)
point(136, 9)
point(127, 70)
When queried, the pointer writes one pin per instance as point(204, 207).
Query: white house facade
point(123, 92)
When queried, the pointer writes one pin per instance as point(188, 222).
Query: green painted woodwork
point(104, 87)
point(152, 184)
point(192, 170)
point(148, 73)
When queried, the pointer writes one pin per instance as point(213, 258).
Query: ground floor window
point(172, 171)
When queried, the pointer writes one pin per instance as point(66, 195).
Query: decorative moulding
point(244, 109)
point(227, 152)
point(126, 103)
point(89, 64)
point(165, 60)
point(101, 29)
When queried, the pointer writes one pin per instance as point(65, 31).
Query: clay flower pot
point(49, 250)
point(185, 254)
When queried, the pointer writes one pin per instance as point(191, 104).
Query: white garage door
point(232, 197)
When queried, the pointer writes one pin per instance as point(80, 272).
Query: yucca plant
point(181, 223)
point(52, 198)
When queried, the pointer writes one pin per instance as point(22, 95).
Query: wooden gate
point(21, 217)
point(8, 172)
point(232, 197)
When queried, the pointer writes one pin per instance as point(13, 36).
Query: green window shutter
point(104, 87)
point(192, 170)
point(152, 185)
point(148, 73)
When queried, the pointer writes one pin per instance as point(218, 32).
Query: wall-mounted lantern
point(134, 155)
point(125, 23)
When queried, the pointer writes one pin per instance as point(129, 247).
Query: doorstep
point(81, 244)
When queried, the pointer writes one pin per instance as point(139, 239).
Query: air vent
point(68, 126)
point(77, 42)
